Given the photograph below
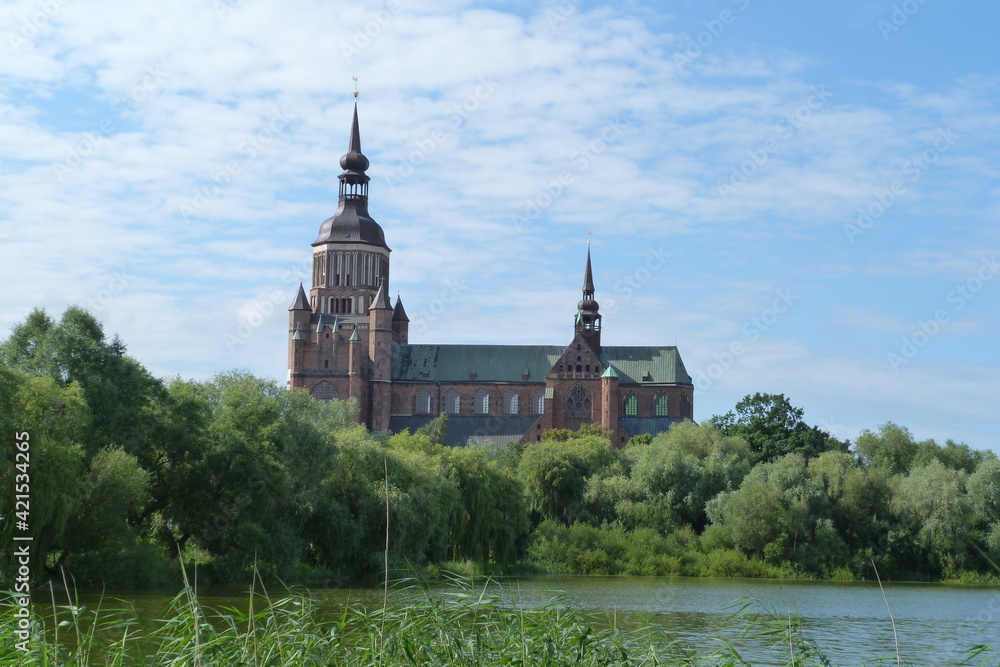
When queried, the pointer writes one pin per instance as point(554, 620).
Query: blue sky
point(803, 196)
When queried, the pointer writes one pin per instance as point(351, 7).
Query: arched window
point(452, 402)
point(423, 402)
point(538, 402)
point(510, 402)
point(578, 403)
point(481, 402)
point(661, 407)
point(324, 391)
point(631, 405)
point(686, 407)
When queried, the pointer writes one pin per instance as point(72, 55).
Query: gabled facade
point(347, 340)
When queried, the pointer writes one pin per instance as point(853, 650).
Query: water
point(848, 620)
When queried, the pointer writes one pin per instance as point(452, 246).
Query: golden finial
point(355, 87)
point(588, 238)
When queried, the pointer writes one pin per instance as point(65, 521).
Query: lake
point(935, 623)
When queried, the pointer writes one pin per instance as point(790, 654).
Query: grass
point(467, 627)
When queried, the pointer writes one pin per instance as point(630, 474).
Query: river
point(850, 621)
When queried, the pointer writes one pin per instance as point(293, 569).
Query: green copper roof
point(489, 363)
point(354, 336)
point(510, 363)
point(610, 372)
point(646, 365)
point(297, 335)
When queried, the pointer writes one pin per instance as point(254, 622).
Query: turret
point(400, 323)
point(609, 402)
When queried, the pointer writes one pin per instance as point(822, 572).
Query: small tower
point(299, 315)
point(588, 317)
point(400, 323)
point(380, 356)
point(609, 403)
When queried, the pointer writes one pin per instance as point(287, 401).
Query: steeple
point(588, 316)
point(301, 301)
point(588, 279)
point(352, 222)
point(381, 300)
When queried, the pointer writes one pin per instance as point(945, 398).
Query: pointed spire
point(336, 325)
point(301, 301)
point(588, 277)
point(381, 300)
point(298, 334)
point(398, 313)
point(610, 372)
point(354, 336)
point(354, 161)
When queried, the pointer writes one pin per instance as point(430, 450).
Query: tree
point(681, 470)
point(773, 427)
point(55, 420)
point(554, 474)
point(775, 512)
point(931, 502)
point(892, 449)
point(116, 387)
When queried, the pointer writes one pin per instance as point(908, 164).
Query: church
point(346, 340)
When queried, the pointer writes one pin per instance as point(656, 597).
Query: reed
point(418, 627)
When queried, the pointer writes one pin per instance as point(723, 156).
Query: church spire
point(588, 278)
point(588, 316)
point(352, 223)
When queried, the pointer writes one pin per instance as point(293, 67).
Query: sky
point(802, 196)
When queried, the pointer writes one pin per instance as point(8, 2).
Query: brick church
point(347, 340)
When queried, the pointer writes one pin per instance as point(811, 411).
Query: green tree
point(892, 449)
point(55, 420)
point(681, 470)
point(116, 387)
point(931, 502)
point(554, 474)
point(775, 512)
point(773, 427)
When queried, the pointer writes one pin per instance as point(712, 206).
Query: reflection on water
point(935, 623)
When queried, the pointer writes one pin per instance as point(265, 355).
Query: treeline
point(129, 474)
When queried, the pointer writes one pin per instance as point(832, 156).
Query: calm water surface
point(935, 623)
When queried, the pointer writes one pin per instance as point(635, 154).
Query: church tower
point(350, 257)
point(588, 317)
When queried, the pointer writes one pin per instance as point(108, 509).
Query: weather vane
point(588, 238)
point(355, 87)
